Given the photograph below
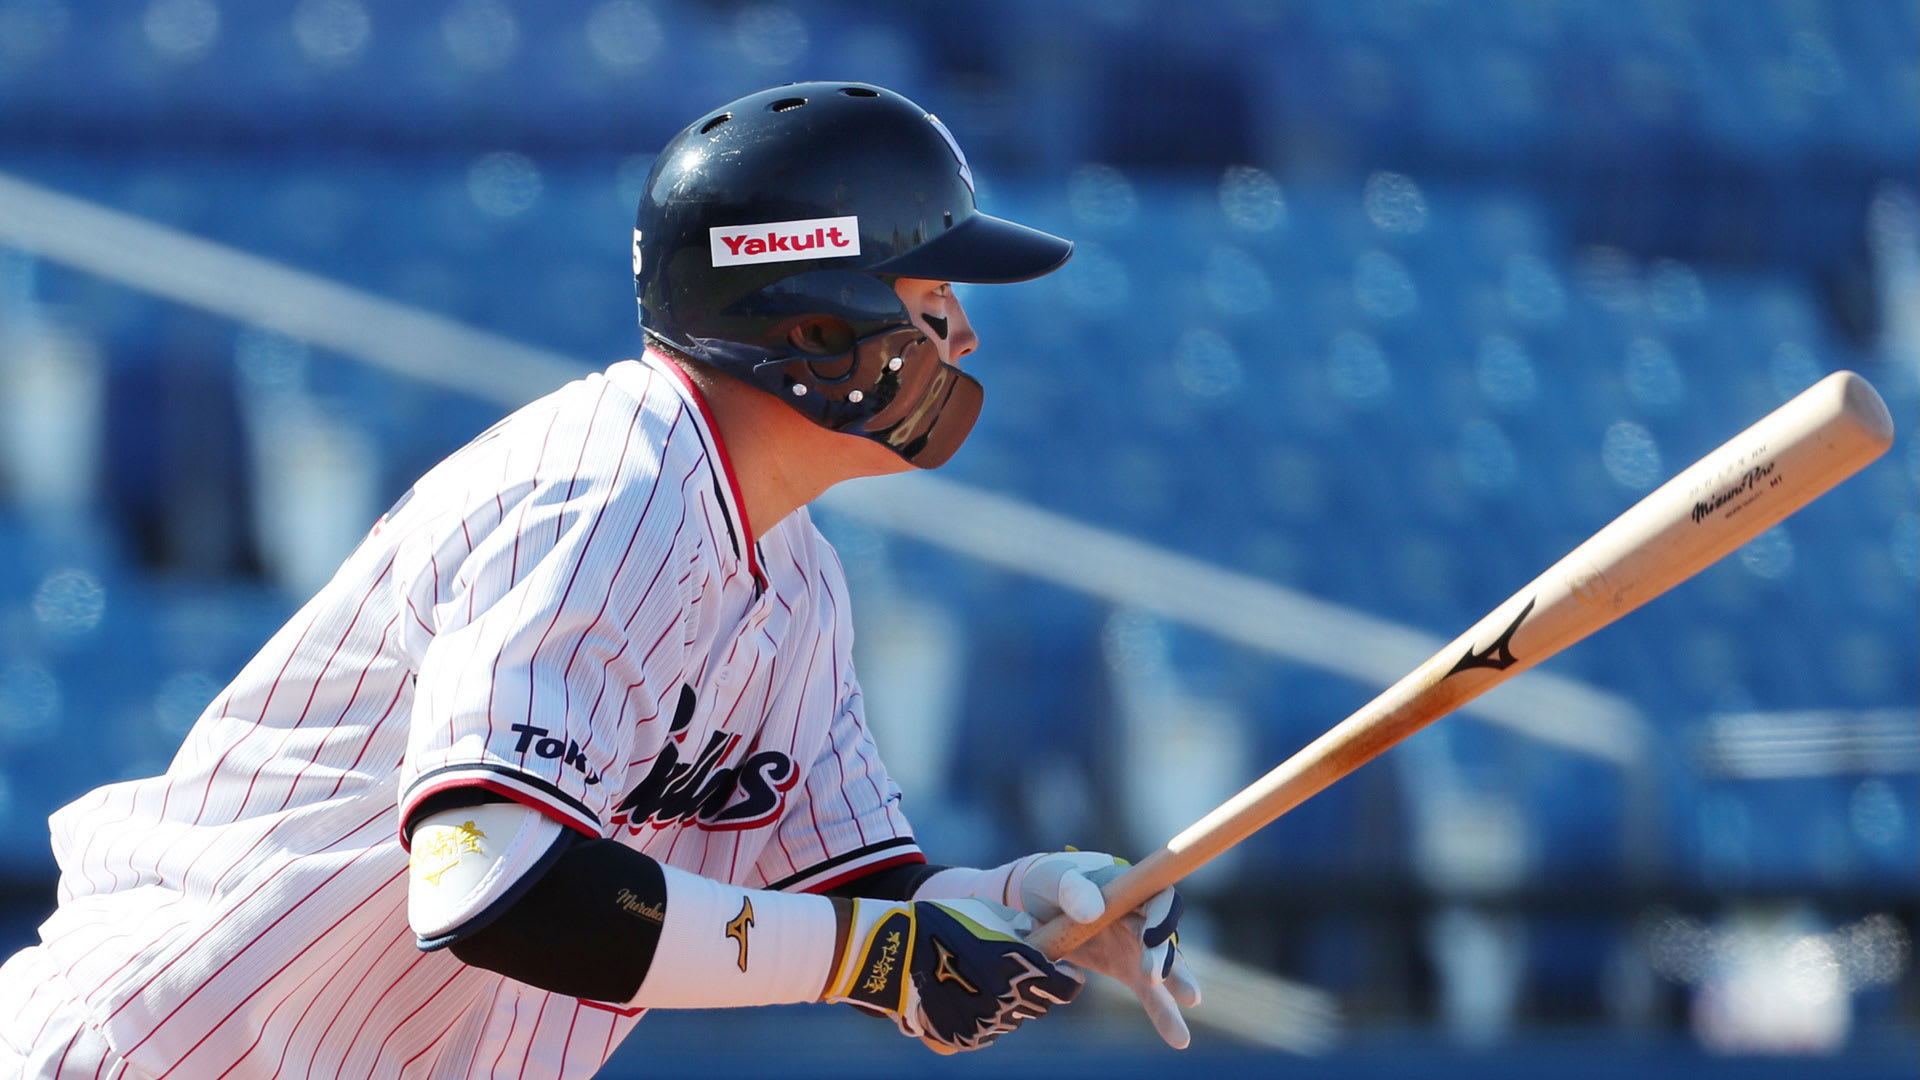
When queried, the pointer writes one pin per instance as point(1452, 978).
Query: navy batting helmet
point(768, 239)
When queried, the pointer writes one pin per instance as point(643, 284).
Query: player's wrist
point(999, 884)
point(867, 971)
point(843, 908)
point(722, 946)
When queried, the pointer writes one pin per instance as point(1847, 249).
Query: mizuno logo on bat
point(1499, 655)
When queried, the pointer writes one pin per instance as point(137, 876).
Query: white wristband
point(723, 946)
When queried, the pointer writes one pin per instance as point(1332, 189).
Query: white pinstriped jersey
point(569, 611)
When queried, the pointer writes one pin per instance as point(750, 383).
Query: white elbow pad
point(470, 863)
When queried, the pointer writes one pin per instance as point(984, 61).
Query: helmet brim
point(985, 249)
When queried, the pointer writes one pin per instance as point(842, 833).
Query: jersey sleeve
point(846, 821)
point(535, 675)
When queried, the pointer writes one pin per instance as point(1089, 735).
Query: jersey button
point(725, 677)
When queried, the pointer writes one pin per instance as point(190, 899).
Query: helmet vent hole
point(715, 122)
point(949, 219)
point(858, 91)
point(787, 104)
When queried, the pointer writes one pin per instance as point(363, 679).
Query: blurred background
point(1379, 307)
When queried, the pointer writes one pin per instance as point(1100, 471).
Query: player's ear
point(821, 336)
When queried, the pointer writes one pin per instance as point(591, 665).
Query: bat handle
point(1135, 885)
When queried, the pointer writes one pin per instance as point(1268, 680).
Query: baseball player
point(575, 732)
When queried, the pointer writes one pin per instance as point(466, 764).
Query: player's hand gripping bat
point(1785, 461)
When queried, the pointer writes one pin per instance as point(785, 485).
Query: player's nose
point(961, 339)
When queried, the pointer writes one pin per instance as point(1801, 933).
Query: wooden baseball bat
point(1790, 457)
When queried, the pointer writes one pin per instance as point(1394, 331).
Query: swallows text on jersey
point(707, 793)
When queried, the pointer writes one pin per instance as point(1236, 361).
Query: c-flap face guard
point(892, 388)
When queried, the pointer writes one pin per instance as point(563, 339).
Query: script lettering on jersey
point(784, 241)
point(708, 793)
point(543, 744)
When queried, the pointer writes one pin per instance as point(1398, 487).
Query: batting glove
point(956, 974)
point(1141, 949)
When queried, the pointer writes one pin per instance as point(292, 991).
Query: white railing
point(994, 528)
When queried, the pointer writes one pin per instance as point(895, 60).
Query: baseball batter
point(575, 732)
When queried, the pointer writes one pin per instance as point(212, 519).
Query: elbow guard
point(588, 928)
point(469, 864)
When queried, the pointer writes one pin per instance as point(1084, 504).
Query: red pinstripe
point(397, 1028)
point(607, 600)
point(335, 973)
point(479, 1040)
point(586, 547)
point(435, 1043)
point(240, 812)
point(52, 1008)
point(352, 699)
point(353, 994)
point(852, 814)
point(607, 1050)
point(295, 906)
point(813, 815)
point(766, 705)
point(182, 920)
point(513, 574)
point(106, 796)
point(294, 990)
point(415, 611)
point(793, 737)
point(266, 705)
point(399, 688)
point(606, 667)
point(512, 1026)
point(71, 1043)
point(545, 1000)
point(706, 842)
point(748, 539)
point(566, 1047)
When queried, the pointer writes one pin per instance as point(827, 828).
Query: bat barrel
point(1787, 459)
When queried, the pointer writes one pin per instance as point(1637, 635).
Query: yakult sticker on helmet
point(784, 241)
